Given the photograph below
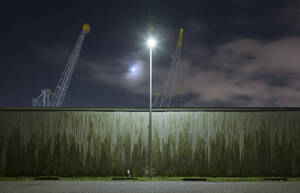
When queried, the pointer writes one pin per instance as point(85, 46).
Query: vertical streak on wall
point(184, 143)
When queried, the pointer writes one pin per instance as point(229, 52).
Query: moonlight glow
point(133, 69)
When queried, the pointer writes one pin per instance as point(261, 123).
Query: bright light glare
point(133, 69)
point(151, 43)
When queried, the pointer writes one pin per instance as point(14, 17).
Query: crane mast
point(56, 99)
point(172, 91)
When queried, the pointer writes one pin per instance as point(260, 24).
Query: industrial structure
point(47, 98)
point(172, 91)
point(186, 142)
point(170, 94)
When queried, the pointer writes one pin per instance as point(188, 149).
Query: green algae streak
point(185, 143)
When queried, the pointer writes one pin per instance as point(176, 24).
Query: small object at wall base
point(194, 179)
point(123, 178)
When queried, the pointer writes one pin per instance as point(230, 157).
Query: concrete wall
point(86, 143)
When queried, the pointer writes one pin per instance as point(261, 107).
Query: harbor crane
point(172, 92)
point(47, 98)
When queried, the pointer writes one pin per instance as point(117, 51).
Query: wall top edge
point(209, 109)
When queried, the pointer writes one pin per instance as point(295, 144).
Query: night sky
point(235, 53)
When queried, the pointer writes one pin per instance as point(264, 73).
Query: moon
point(133, 69)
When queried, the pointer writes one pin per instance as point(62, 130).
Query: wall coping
point(204, 109)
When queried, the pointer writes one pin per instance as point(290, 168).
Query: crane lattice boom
point(46, 99)
point(173, 88)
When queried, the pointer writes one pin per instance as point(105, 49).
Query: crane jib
point(56, 99)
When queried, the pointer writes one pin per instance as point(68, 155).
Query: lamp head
point(151, 43)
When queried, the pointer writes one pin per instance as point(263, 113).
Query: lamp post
point(151, 43)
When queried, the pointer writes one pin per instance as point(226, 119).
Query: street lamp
point(151, 43)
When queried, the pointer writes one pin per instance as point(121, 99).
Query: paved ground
point(149, 187)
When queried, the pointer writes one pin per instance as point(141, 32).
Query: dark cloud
point(244, 72)
point(271, 72)
point(290, 15)
point(235, 53)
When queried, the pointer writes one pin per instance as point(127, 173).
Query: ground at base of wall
point(192, 178)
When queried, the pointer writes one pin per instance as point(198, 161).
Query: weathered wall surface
point(70, 143)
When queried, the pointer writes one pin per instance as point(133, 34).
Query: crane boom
point(57, 99)
point(173, 87)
